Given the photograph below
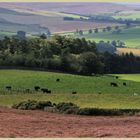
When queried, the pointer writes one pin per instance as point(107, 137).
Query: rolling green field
point(9, 34)
point(128, 15)
point(3, 33)
point(131, 77)
point(87, 89)
point(129, 36)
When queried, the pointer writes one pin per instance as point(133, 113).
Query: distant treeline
point(104, 18)
point(65, 54)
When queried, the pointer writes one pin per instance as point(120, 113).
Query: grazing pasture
point(24, 79)
point(94, 91)
point(128, 15)
point(129, 36)
point(4, 33)
point(9, 34)
point(131, 77)
point(120, 101)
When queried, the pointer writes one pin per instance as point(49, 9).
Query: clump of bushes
point(70, 108)
point(97, 112)
point(42, 104)
point(32, 105)
point(107, 112)
point(26, 105)
point(67, 108)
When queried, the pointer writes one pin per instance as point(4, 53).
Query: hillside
point(51, 14)
point(12, 27)
point(78, 8)
point(91, 91)
point(130, 36)
point(11, 12)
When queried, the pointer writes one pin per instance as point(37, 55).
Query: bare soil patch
point(20, 123)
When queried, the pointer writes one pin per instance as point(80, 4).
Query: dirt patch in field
point(19, 123)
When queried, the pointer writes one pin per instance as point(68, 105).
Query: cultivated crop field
point(40, 124)
point(136, 52)
point(87, 88)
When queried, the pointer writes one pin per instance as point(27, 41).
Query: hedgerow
point(70, 108)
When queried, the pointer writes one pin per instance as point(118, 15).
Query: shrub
point(67, 108)
point(32, 105)
point(96, 111)
point(107, 112)
point(70, 108)
point(50, 109)
point(42, 104)
point(26, 105)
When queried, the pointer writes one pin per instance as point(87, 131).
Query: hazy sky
point(70, 1)
point(131, 3)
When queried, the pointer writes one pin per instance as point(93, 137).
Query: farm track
point(19, 123)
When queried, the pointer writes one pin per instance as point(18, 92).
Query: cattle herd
point(36, 89)
point(116, 85)
point(46, 90)
point(113, 84)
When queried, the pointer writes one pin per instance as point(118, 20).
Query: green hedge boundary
point(70, 108)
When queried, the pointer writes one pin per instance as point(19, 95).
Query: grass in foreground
point(119, 101)
point(87, 89)
point(23, 79)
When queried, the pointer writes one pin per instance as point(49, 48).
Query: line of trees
point(106, 18)
point(61, 53)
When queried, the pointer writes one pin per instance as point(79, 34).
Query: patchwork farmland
point(54, 82)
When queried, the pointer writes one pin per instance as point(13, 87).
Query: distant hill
point(11, 12)
point(2, 20)
point(79, 8)
point(14, 27)
point(51, 15)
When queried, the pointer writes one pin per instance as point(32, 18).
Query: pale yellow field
point(128, 50)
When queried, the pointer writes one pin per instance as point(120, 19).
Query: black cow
point(117, 77)
point(114, 84)
point(74, 92)
point(124, 83)
point(57, 80)
point(8, 87)
point(49, 91)
point(36, 88)
point(45, 90)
